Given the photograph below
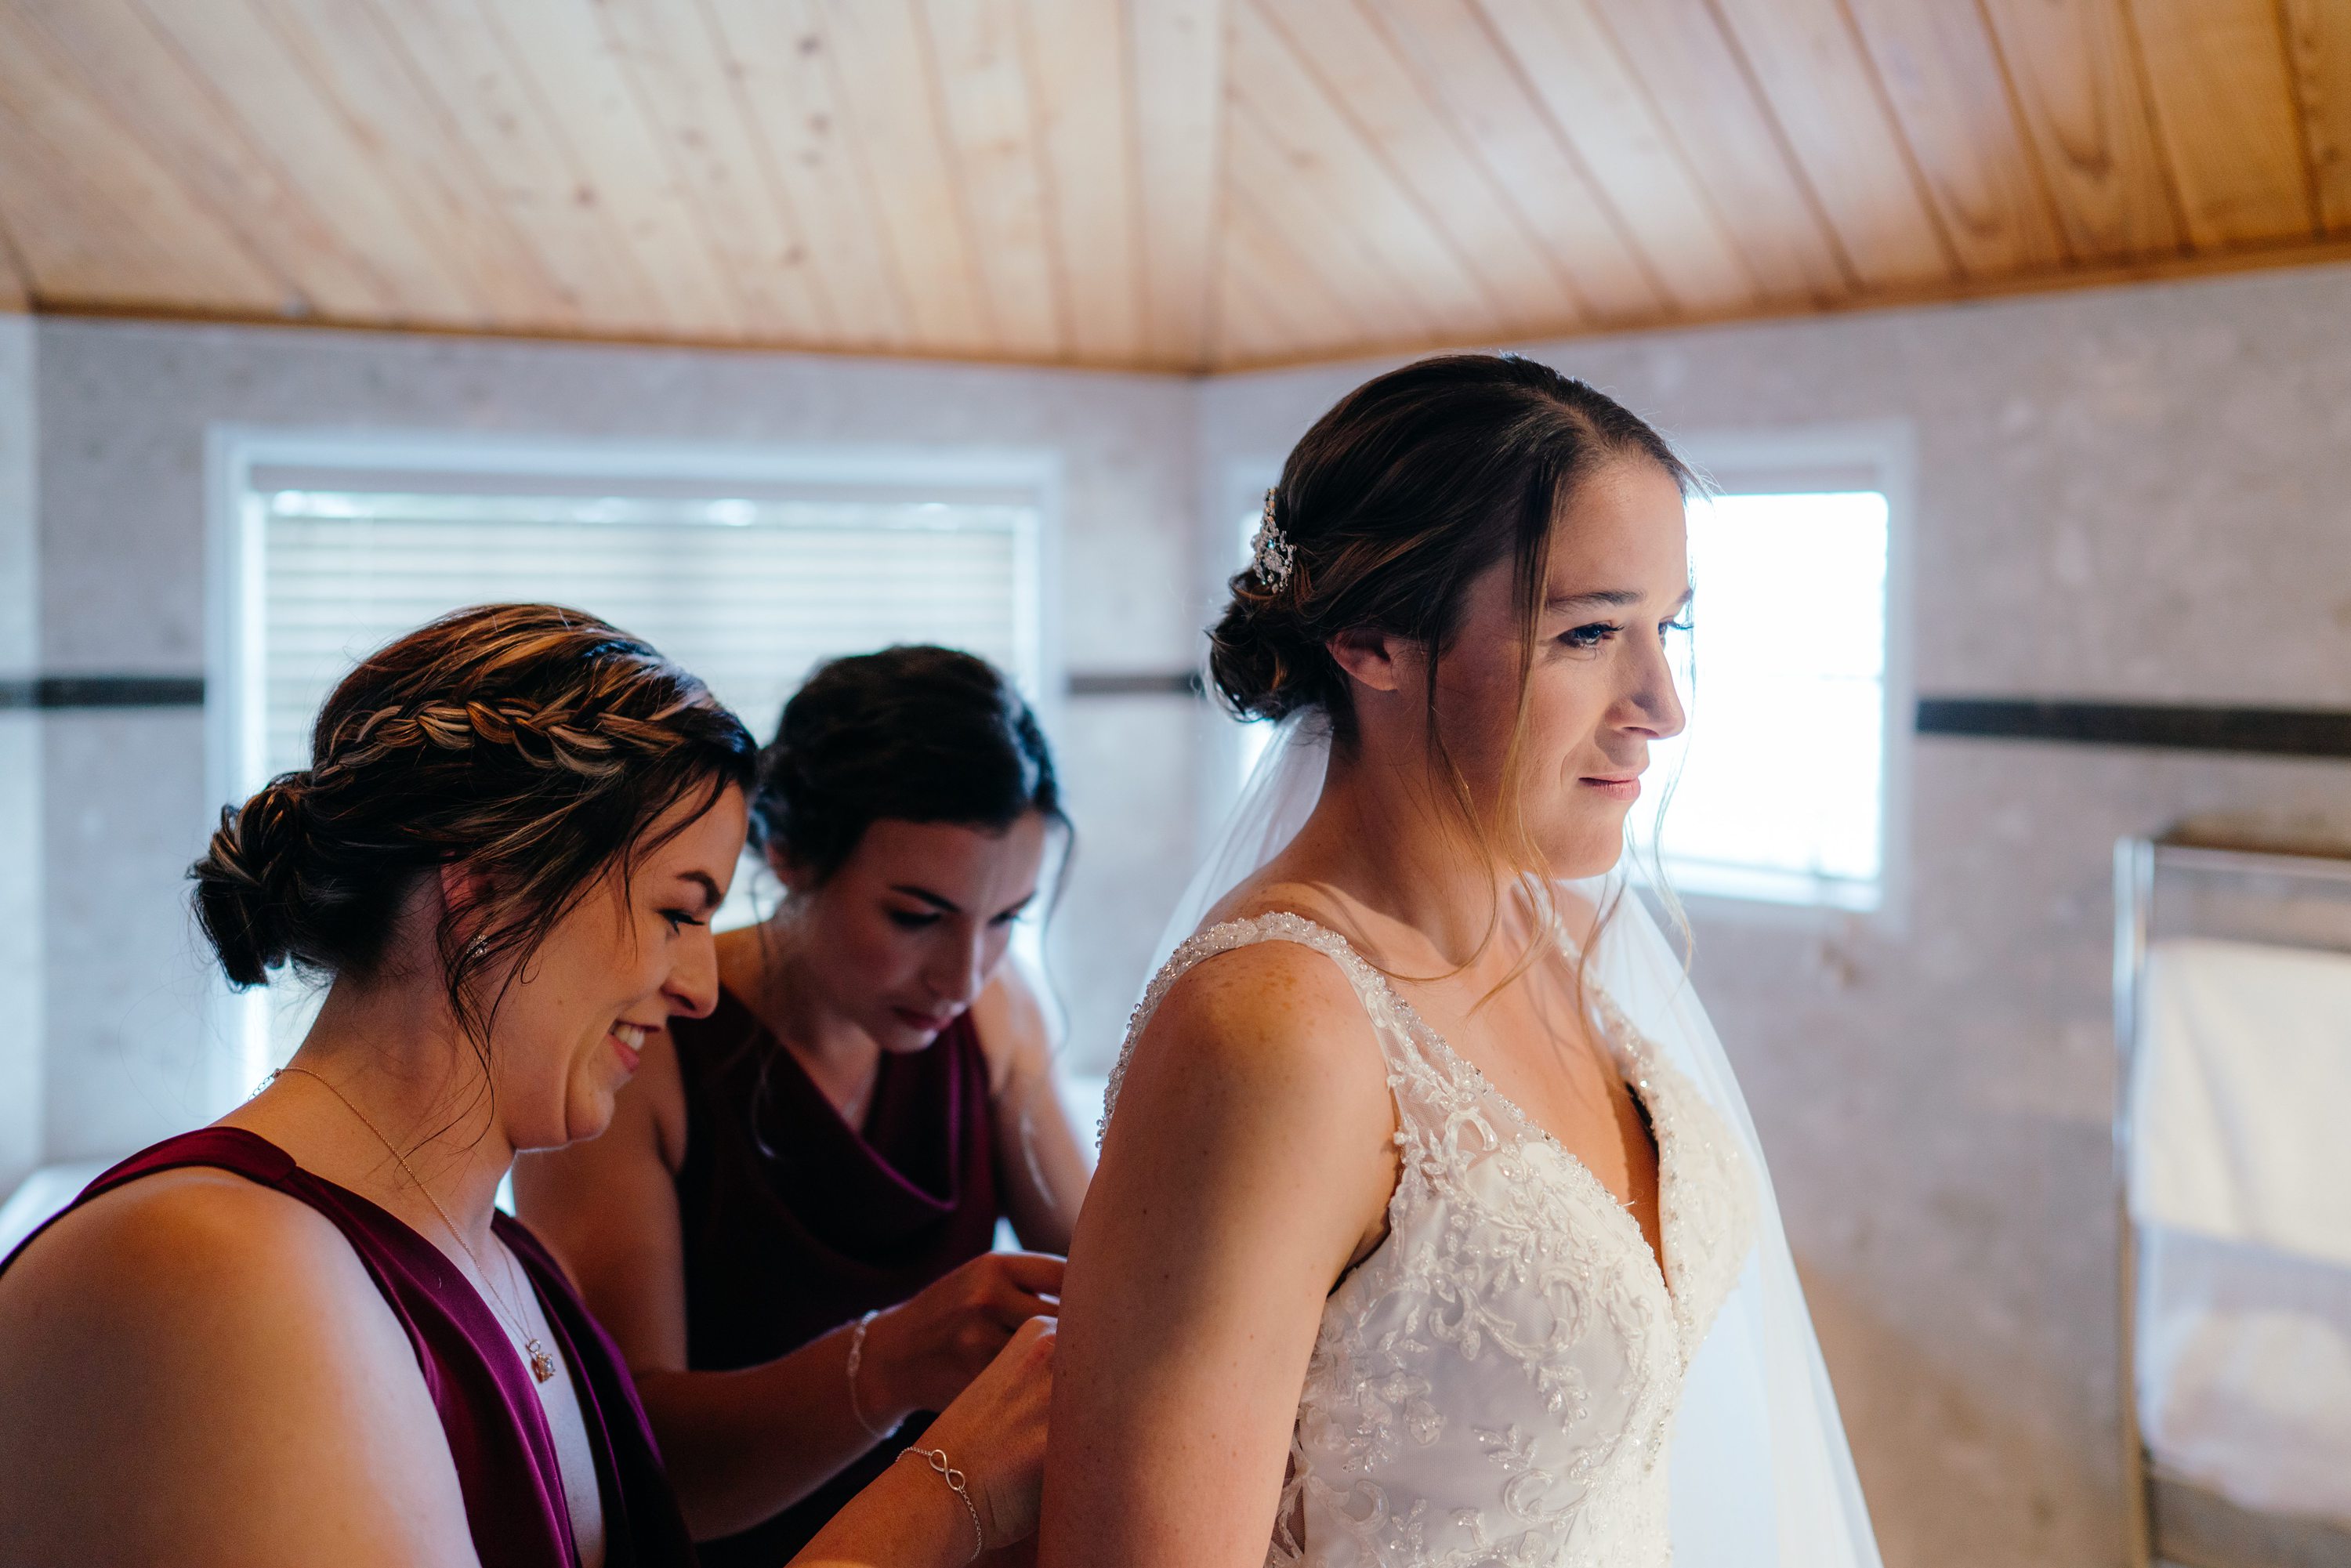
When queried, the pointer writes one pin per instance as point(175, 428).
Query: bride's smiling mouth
point(628, 1044)
point(1627, 789)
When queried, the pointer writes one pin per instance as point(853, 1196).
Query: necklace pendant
point(542, 1366)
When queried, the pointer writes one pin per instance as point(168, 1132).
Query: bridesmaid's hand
point(923, 1352)
point(995, 1434)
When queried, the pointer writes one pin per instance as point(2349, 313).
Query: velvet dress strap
point(489, 1408)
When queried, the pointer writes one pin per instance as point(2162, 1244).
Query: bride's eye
point(1590, 636)
point(1680, 623)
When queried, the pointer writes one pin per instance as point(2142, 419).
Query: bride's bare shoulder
point(1270, 1015)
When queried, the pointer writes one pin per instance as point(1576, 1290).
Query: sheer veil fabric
point(1761, 1473)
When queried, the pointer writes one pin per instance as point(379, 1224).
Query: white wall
point(2140, 493)
point(22, 918)
point(124, 410)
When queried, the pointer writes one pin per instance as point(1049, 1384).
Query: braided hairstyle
point(533, 744)
point(913, 733)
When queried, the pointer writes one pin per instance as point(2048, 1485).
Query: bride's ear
point(1374, 658)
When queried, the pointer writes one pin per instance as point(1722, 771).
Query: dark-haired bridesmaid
point(788, 1226)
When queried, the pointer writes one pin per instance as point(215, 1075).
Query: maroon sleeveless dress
point(796, 1222)
point(489, 1408)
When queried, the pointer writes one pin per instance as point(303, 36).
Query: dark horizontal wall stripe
point(102, 691)
point(2267, 731)
point(1145, 684)
point(188, 691)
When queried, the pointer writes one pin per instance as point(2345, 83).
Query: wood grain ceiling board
point(1467, 69)
point(1271, 295)
point(782, 70)
point(15, 299)
point(2225, 106)
point(126, 212)
point(116, 230)
point(1571, 64)
point(1177, 184)
point(1818, 82)
point(1353, 62)
point(1178, 50)
point(2074, 68)
point(441, 272)
point(2318, 34)
point(408, 145)
point(182, 118)
point(461, 63)
point(1949, 87)
point(671, 62)
point(1332, 172)
point(1081, 72)
point(976, 54)
point(1708, 99)
point(891, 106)
point(560, 53)
point(1302, 207)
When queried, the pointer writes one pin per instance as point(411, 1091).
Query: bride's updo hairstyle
point(1410, 486)
point(913, 733)
point(533, 744)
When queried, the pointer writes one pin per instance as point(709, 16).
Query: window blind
point(746, 592)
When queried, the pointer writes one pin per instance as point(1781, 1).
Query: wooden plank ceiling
point(1181, 184)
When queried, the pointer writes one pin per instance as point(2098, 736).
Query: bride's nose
point(1651, 699)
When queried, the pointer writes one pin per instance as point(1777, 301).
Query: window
point(1777, 790)
point(747, 569)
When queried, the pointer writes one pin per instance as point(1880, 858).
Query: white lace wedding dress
point(1497, 1382)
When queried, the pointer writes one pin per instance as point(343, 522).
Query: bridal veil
point(1761, 1476)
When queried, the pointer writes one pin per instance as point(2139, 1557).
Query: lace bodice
point(1496, 1384)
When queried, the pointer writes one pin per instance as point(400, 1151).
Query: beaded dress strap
point(1279, 927)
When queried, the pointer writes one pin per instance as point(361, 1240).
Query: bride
point(1431, 1227)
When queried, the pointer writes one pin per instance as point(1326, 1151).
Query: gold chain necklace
point(542, 1364)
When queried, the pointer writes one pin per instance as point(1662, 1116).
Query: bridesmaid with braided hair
point(303, 1334)
point(788, 1228)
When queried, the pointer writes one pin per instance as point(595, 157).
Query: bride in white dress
point(1431, 1227)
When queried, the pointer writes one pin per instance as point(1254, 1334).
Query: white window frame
point(234, 765)
point(1870, 454)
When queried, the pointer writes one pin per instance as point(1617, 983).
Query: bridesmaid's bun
point(913, 733)
point(247, 882)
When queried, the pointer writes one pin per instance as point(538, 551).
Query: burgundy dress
point(489, 1407)
point(796, 1222)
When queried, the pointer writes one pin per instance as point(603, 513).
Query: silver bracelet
point(937, 1459)
point(856, 1357)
